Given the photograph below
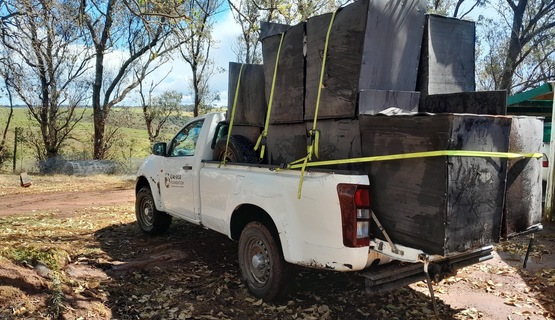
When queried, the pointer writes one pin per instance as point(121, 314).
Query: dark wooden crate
point(372, 45)
point(339, 139)
point(438, 204)
point(523, 207)
point(288, 99)
point(392, 45)
point(374, 101)
point(286, 143)
point(482, 102)
point(447, 58)
point(251, 104)
point(268, 29)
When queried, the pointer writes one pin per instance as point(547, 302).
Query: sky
point(225, 33)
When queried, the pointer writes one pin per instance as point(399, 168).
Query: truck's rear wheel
point(261, 262)
point(240, 149)
point(150, 220)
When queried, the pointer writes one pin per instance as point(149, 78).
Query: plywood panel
point(373, 45)
point(392, 45)
point(339, 139)
point(484, 102)
point(342, 70)
point(523, 207)
point(440, 204)
point(268, 29)
point(251, 104)
point(447, 58)
point(288, 100)
point(286, 143)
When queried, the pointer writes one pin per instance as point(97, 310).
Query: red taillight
point(545, 163)
point(354, 201)
point(362, 198)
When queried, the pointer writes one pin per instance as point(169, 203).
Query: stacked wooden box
point(383, 54)
point(446, 72)
point(250, 105)
point(523, 204)
point(359, 63)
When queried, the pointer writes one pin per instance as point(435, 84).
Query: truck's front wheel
point(150, 220)
point(261, 262)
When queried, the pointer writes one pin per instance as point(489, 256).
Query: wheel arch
point(246, 213)
point(142, 182)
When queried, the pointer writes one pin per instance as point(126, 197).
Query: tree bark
point(515, 45)
point(100, 111)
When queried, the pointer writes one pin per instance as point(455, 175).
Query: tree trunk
point(101, 110)
point(195, 89)
point(515, 45)
point(99, 120)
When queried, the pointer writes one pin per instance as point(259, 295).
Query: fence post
point(16, 139)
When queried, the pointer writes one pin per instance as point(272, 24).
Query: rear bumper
point(396, 274)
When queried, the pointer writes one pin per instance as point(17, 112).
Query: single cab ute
point(210, 180)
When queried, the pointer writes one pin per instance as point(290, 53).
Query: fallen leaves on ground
point(113, 271)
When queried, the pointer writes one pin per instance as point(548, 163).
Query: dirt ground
point(70, 249)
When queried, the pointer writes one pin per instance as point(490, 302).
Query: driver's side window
point(185, 141)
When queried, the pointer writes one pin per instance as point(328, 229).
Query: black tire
point(240, 149)
point(261, 262)
point(150, 220)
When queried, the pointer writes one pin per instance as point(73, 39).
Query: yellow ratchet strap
point(232, 113)
point(312, 148)
point(426, 154)
point(264, 133)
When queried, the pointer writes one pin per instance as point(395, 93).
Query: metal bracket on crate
point(397, 251)
point(393, 247)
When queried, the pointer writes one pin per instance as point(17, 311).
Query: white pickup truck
point(258, 205)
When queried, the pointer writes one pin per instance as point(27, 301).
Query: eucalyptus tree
point(196, 51)
point(5, 125)
point(45, 64)
point(515, 47)
point(530, 47)
point(158, 110)
point(456, 8)
point(130, 39)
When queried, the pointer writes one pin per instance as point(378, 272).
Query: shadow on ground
point(191, 272)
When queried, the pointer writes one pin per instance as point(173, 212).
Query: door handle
point(187, 167)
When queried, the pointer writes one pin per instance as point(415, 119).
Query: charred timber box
point(372, 45)
point(288, 95)
point(439, 204)
point(250, 108)
point(523, 207)
point(286, 143)
point(339, 139)
point(479, 102)
point(447, 58)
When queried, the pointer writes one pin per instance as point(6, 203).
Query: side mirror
point(159, 149)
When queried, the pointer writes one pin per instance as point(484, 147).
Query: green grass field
point(128, 148)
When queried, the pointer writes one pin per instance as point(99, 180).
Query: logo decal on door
point(173, 180)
